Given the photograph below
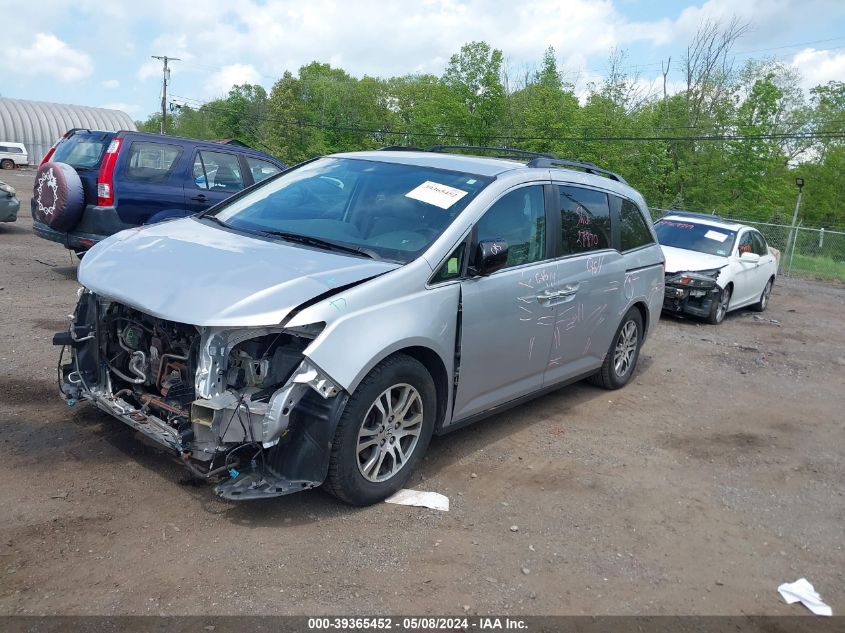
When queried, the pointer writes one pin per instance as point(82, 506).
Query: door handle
point(569, 290)
point(199, 198)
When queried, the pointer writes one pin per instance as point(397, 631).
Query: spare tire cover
point(59, 198)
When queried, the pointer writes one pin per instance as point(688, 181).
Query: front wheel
point(719, 308)
point(384, 430)
point(621, 359)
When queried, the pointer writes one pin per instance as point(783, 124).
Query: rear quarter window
point(633, 230)
point(151, 162)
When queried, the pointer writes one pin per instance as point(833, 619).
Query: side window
point(217, 171)
point(452, 267)
point(745, 243)
point(759, 244)
point(585, 220)
point(519, 218)
point(261, 169)
point(633, 231)
point(151, 162)
point(5, 150)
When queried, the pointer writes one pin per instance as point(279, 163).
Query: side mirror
point(749, 258)
point(490, 256)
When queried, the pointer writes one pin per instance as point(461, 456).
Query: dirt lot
point(716, 475)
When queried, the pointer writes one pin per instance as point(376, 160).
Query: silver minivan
point(319, 327)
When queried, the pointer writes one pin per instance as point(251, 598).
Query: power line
point(517, 138)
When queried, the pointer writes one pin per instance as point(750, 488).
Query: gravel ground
point(713, 477)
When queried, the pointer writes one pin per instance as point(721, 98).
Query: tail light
point(105, 177)
point(52, 150)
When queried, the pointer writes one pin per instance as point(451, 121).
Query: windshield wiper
point(216, 220)
point(320, 243)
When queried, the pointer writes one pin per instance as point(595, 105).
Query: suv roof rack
point(590, 168)
point(399, 148)
point(538, 159)
point(505, 152)
point(693, 214)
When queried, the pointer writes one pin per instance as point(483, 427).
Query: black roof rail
point(694, 214)
point(590, 168)
point(506, 152)
point(399, 148)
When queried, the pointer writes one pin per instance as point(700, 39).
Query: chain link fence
point(804, 252)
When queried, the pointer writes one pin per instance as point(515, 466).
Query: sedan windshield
point(704, 238)
point(383, 210)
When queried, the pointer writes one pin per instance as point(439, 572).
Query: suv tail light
point(52, 150)
point(105, 177)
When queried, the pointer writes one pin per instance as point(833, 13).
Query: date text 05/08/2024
point(417, 624)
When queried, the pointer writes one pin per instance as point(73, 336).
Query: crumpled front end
point(240, 405)
point(691, 292)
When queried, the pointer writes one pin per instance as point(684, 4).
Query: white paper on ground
point(442, 196)
point(433, 500)
point(802, 591)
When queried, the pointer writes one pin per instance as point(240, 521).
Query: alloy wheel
point(724, 301)
point(389, 433)
point(767, 291)
point(626, 348)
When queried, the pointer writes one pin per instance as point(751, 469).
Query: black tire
point(59, 197)
point(609, 376)
point(719, 308)
point(7, 163)
point(763, 303)
point(346, 479)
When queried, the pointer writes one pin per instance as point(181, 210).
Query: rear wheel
point(763, 303)
point(7, 164)
point(384, 430)
point(621, 359)
point(720, 306)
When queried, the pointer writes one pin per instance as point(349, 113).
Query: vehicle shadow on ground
point(10, 228)
point(444, 452)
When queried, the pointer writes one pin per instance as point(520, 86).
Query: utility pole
point(793, 233)
point(165, 78)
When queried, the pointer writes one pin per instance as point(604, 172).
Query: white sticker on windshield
point(715, 235)
point(434, 193)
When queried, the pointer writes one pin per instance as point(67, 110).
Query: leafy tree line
point(731, 141)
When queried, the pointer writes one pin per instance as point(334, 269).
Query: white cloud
point(48, 55)
point(128, 108)
point(111, 84)
point(220, 82)
point(819, 66)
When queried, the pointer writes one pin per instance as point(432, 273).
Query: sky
point(96, 53)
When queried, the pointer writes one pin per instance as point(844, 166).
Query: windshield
point(388, 210)
point(82, 150)
point(713, 240)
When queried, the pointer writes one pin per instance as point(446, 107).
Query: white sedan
point(714, 266)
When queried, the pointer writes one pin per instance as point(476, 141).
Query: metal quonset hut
point(39, 124)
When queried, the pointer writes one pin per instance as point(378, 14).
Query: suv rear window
point(83, 150)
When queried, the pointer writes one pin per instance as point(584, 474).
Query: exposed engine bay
point(223, 399)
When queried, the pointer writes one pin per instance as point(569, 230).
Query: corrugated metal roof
point(39, 124)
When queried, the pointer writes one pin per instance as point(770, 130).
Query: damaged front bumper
point(691, 292)
point(241, 405)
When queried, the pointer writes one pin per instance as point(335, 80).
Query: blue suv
point(92, 183)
